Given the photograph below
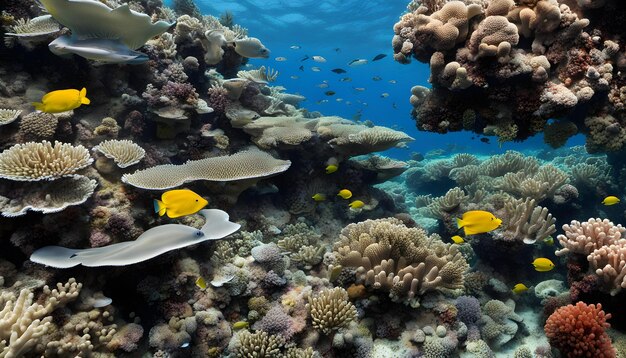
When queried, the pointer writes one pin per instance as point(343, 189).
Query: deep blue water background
point(342, 31)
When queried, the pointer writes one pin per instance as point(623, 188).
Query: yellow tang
point(201, 283)
point(519, 288)
point(319, 197)
point(345, 193)
point(610, 200)
point(240, 325)
point(478, 222)
point(357, 204)
point(62, 100)
point(331, 168)
point(457, 239)
point(180, 202)
point(543, 265)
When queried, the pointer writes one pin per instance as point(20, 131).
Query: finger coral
point(42, 161)
point(124, 152)
point(246, 164)
point(579, 331)
point(8, 115)
point(258, 345)
point(331, 310)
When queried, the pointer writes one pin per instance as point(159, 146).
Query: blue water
point(341, 31)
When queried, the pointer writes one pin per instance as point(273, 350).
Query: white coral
point(8, 115)
point(124, 152)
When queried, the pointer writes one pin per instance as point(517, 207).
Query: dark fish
point(394, 105)
point(376, 78)
point(304, 58)
point(301, 68)
point(379, 57)
point(337, 49)
point(329, 93)
point(484, 140)
point(345, 79)
point(338, 70)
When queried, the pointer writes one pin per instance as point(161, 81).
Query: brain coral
point(39, 161)
point(579, 331)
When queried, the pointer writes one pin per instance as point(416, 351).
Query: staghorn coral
point(579, 330)
point(124, 152)
point(330, 310)
point(24, 323)
point(403, 261)
point(247, 164)
point(42, 161)
point(258, 345)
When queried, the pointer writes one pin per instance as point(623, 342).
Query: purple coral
point(183, 92)
point(98, 238)
point(468, 309)
point(277, 322)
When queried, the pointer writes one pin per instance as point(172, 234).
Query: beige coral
point(331, 310)
point(527, 222)
point(258, 345)
point(402, 261)
point(8, 115)
point(247, 164)
point(40, 161)
point(24, 322)
point(38, 126)
point(370, 140)
point(124, 152)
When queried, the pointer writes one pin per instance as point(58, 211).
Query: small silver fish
point(323, 85)
point(316, 69)
point(393, 81)
point(357, 62)
point(319, 59)
point(339, 99)
point(295, 47)
point(281, 59)
point(294, 77)
point(345, 79)
point(376, 78)
point(385, 95)
point(360, 89)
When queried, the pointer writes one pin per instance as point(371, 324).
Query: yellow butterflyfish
point(457, 239)
point(357, 204)
point(180, 202)
point(610, 200)
point(201, 283)
point(240, 325)
point(319, 197)
point(331, 168)
point(543, 265)
point(62, 100)
point(519, 288)
point(478, 222)
point(345, 193)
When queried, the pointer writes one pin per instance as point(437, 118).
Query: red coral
point(579, 331)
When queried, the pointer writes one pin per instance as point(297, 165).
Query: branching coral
point(40, 161)
point(258, 345)
point(331, 310)
point(403, 261)
point(579, 330)
point(526, 222)
point(24, 323)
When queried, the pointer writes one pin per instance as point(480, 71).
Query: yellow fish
point(201, 283)
point(478, 222)
point(543, 265)
point(345, 193)
point(180, 202)
point(331, 168)
point(240, 325)
point(319, 197)
point(62, 100)
point(357, 204)
point(549, 241)
point(610, 200)
point(519, 288)
point(457, 239)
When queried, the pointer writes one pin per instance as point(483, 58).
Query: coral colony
point(287, 236)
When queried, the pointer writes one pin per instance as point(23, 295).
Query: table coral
point(579, 330)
